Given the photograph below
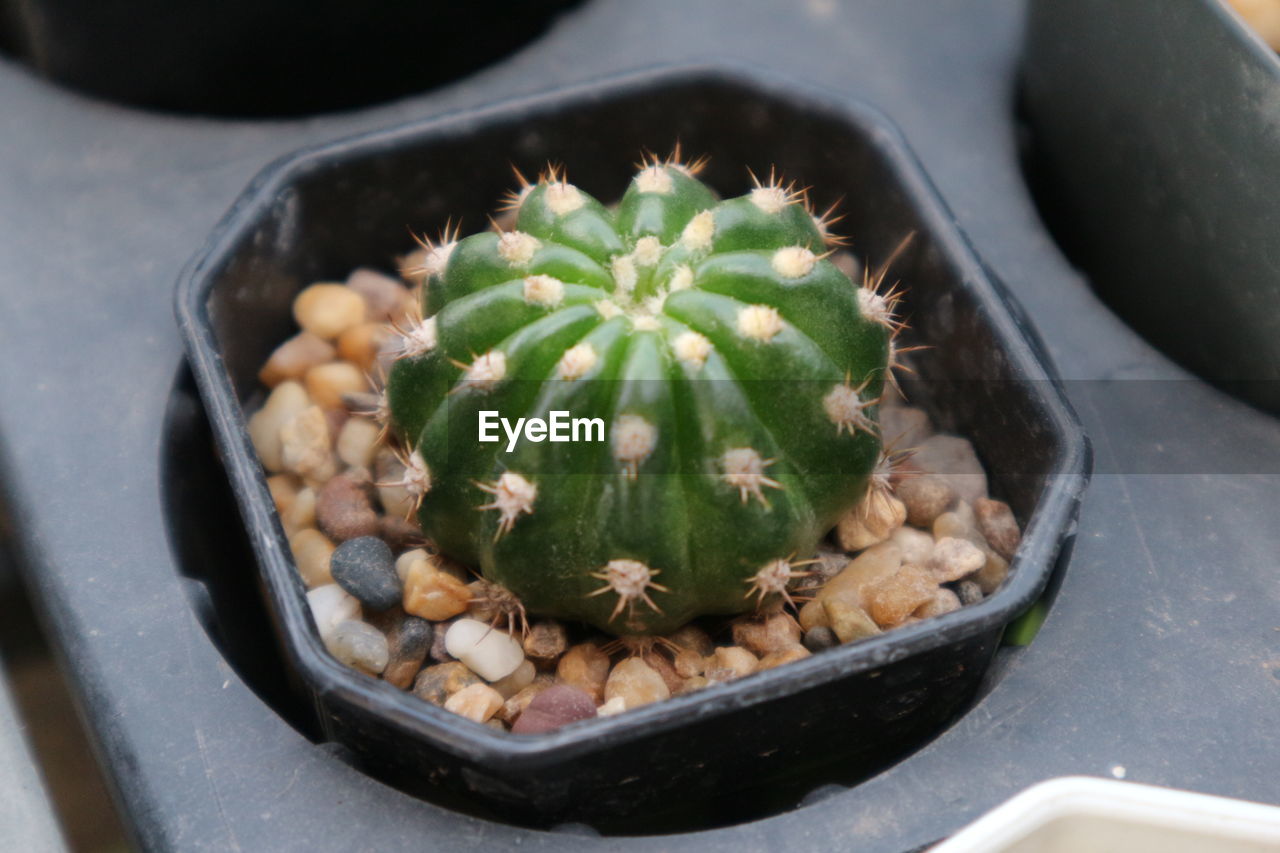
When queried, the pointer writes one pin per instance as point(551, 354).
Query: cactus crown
point(736, 369)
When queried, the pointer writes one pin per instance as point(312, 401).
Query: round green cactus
point(736, 371)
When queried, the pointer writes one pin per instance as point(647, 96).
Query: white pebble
point(486, 651)
point(616, 705)
point(331, 604)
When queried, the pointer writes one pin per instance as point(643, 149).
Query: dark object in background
point(843, 714)
point(265, 57)
point(1154, 128)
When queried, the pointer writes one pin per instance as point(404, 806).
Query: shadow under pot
point(762, 739)
point(1156, 165)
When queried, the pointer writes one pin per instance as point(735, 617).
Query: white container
point(1077, 814)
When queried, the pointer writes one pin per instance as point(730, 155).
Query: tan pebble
point(282, 405)
point(812, 615)
point(344, 508)
point(312, 551)
point(396, 500)
point(925, 497)
point(516, 681)
point(327, 310)
point(636, 683)
point(688, 663)
point(406, 560)
point(546, 642)
point(781, 656)
point(943, 601)
point(302, 512)
point(585, 667)
point(849, 621)
point(358, 442)
point(478, 702)
point(916, 545)
point(871, 521)
point(892, 599)
point(497, 725)
point(953, 459)
point(382, 294)
point(734, 659)
point(437, 683)
point(992, 574)
point(764, 636)
point(515, 706)
point(955, 523)
point(697, 682)
point(998, 526)
point(905, 426)
point(432, 594)
point(665, 668)
point(361, 344)
point(871, 565)
point(694, 638)
point(305, 445)
point(284, 491)
point(295, 357)
point(961, 523)
point(326, 383)
point(616, 705)
point(953, 558)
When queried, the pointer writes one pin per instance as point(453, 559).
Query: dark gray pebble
point(820, 639)
point(365, 567)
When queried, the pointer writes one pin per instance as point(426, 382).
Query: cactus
point(659, 316)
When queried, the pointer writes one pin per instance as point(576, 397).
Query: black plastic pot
point(264, 57)
point(840, 714)
point(1155, 133)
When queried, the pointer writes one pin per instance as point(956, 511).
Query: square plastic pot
point(841, 714)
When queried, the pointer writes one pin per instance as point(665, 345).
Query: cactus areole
point(736, 370)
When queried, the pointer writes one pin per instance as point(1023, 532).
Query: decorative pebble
point(293, 358)
point(943, 601)
point(546, 642)
point(435, 684)
point(408, 641)
point(616, 705)
point(555, 707)
point(326, 383)
point(490, 653)
point(895, 597)
point(635, 683)
point(953, 459)
point(301, 514)
point(905, 426)
point(359, 645)
point(925, 497)
point(969, 592)
point(438, 652)
point(697, 682)
point(312, 551)
point(688, 663)
point(515, 706)
point(406, 560)
point(821, 638)
point(729, 662)
point(382, 294)
point(953, 558)
point(326, 310)
point(516, 681)
point(693, 638)
point(433, 594)
point(358, 442)
point(331, 604)
point(399, 532)
point(765, 636)
point(871, 565)
point(282, 405)
point(365, 567)
point(361, 344)
point(916, 545)
point(998, 526)
point(344, 509)
point(284, 491)
point(585, 667)
point(665, 669)
point(477, 702)
point(872, 521)
point(783, 656)
point(305, 445)
point(848, 621)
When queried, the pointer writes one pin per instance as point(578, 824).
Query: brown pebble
point(783, 656)
point(399, 532)
point(943, 601)
point(476, 702)
point(892, 599)
point(514, 707)
point(904, 426)
point(546, 641)
point(688, 663)
point(344, 509)
point(998, 526)
point(697, 682)
point(554, 707)
point(438, 652)
point(694, 638)
point(635, 683)
point(437, 683)
point(408, 639)
point(327, 309)
point(518, 680)
point(295, 357)
point(382, 293)
point(925, 497)
point(585, 667)
point(765, 636)
point(820, 639)
point(360, 344)
point(433, 594)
